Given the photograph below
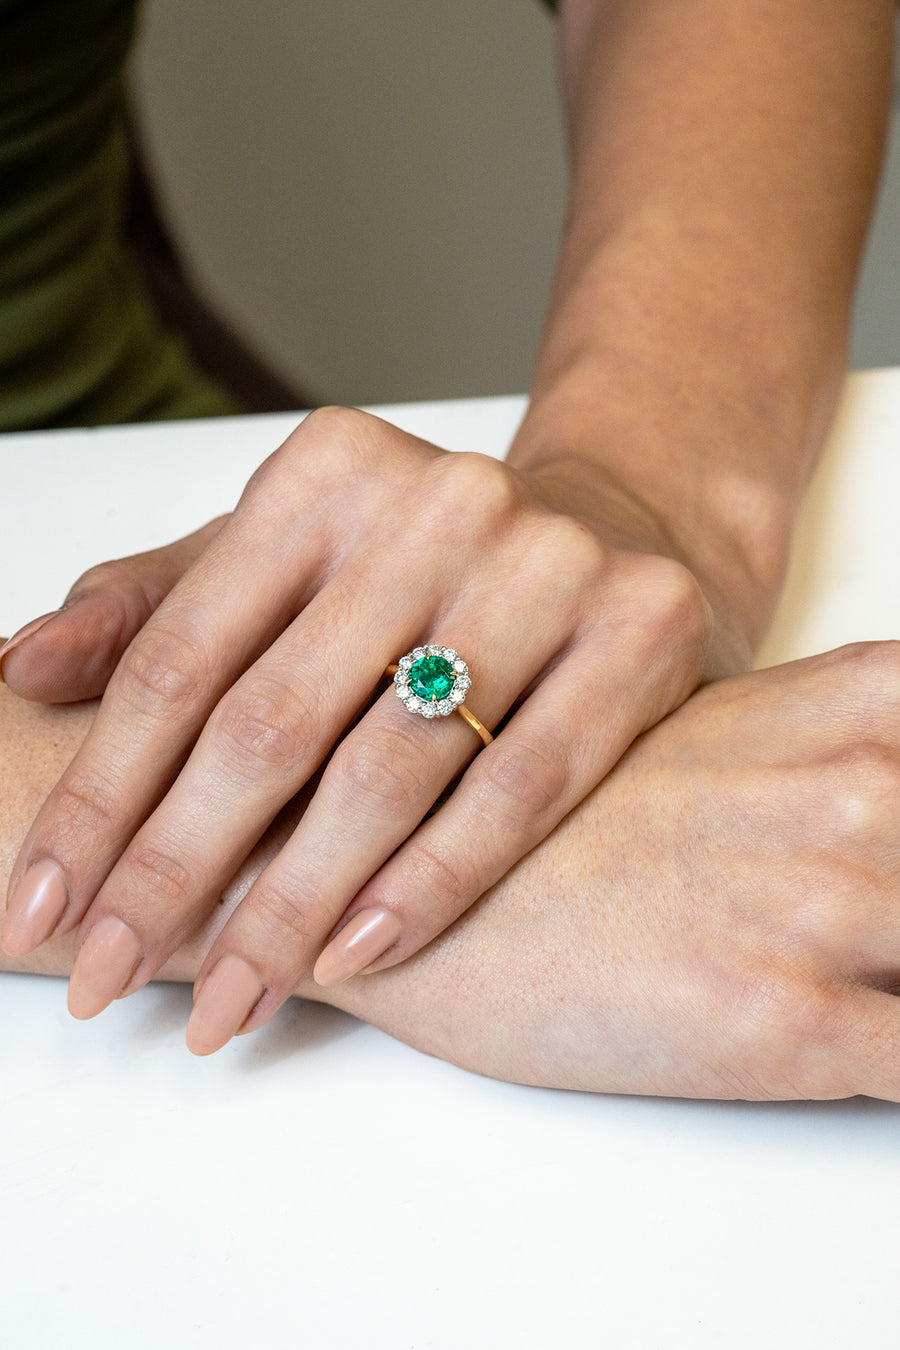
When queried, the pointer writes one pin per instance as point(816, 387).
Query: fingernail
point(35, 907)
point(23, 634)
point(228, 995)
point(366, 937)
point(109, 957)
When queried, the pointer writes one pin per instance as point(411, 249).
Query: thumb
point(70, 654)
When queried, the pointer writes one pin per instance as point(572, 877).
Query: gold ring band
point(475, 725)
point(433, 681)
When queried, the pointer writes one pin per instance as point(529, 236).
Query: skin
point(718, 919)
point(692, 356)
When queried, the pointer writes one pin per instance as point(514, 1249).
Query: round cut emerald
point(431, 678)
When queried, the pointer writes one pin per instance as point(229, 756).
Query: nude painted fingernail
point(23, 634)
point(35, 907)
point(109, 957)
point(366, 937)
point(228, 995)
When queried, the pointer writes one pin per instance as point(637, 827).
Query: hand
point(720, 918)
point(353, 544)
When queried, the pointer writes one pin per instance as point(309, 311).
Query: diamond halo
point(440, 668)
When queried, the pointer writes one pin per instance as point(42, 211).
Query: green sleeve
point(79, 341)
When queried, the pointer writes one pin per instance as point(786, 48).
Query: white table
point(149, 1198)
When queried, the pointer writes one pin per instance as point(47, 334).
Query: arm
point(719, 919)
point(725, 155)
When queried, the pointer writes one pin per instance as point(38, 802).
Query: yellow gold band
point(475, 724)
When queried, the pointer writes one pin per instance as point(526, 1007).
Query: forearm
point(725, 156)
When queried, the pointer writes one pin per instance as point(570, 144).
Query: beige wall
point(373, 192)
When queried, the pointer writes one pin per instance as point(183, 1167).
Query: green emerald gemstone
point(431, 677)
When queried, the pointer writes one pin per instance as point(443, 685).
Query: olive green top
point(79, 341)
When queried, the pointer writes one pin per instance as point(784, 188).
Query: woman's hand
point(352, 545)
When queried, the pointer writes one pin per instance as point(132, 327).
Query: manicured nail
point(109, 957)
point(366, 937)
point(228, 995)
point(35, 907)
point(23, 634)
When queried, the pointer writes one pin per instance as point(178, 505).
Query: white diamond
point(457, 696)
point(460, 666)
point(445, 707)
point(404, 663)
point(463, 682)
point(417, 653)
point(405, 694)
point(428, 710)
point(448, 654)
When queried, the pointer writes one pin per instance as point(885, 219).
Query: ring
point(433, 682)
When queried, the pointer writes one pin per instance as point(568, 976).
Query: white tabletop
point(318, 1184)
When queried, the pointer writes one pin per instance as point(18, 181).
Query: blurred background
point(371, 195)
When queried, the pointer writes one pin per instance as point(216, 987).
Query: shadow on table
point(297, 1028)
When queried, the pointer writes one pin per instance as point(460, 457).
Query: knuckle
point(564, 535)
point(865, 788)
point(86, 805)
point(159, 871)
point(162, 669)
point(267, 721)
point(328, 455)
point(799, 1011)
point(668, 626)
point(388, 770)
point(481, 487)
point(567, 552)
point(333, 440)
point(674, 604)
point(450, 877)
point(336, 423)
point(877, 658)
point(100, 577)
point(871, 670)
point(282, 912)
point(532, 780)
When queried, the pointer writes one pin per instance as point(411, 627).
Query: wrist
point(657, 481)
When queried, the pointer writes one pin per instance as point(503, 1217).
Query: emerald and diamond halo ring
point(433, 682)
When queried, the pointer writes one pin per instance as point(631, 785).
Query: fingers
point(271, 732)
point(261, 745)
point(258, 572)
point(520, 787)
point(69, 655)
point(158, 701)
point(380, 782)
point(385, 775)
